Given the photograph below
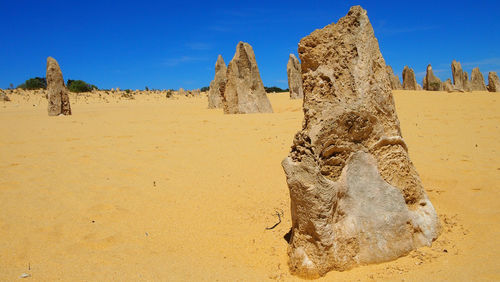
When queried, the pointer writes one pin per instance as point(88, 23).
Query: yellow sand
point(157, 189)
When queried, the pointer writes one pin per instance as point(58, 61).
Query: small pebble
point(25, 275)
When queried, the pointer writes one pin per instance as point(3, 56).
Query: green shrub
point(79, 86)
point(435, 86)
point(34, 83)
point(274, 89)
point(204, 89)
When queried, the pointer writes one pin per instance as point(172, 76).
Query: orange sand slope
point(165, 189)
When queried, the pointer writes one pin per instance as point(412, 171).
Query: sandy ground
point(165, 189)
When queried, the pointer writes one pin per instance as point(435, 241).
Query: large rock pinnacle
point(409, 81)
point(477, 80)
point(57, 93)
point(294, 78)
point(217, 85)
point(493, 82)
point(356, 197)
point(244, 91)
point(431, 82)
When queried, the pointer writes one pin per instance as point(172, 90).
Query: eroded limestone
point(356, 197)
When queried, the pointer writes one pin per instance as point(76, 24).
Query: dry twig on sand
point(279, 218)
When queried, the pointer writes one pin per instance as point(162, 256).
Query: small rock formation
point(477, 80)
point(182, 92)
point(128, 95)
point(57, 93)
point(493, 82)
point(244, 92)
point(196, 92)
point(447, 86)
point(217, 85)
point(294, 78)
point(431, 82)
point(4, 97)
point(409, 81)
point(394, 79)
point(356, 197)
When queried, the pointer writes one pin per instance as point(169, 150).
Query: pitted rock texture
point(409, 81)
point(57, 93)
point(477, 80)
point(356, 197)
point(244, 92)
point(493, 82)
point(431, 82)
point(394, 79)
point(294, 78)
point(217, 85)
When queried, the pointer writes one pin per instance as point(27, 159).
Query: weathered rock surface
point(217, 85)
point(244, 92)
point(477, 80)
point(394, 79)
point(409, 81)
point(493, 82)
point(294, 78)
point(57, 93)
point(356, 197)
point(431, 82)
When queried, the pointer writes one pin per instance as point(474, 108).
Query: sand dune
point(166, 189)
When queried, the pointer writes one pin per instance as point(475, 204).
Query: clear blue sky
point(163, 44)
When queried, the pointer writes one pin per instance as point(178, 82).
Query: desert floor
point(165, 189)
